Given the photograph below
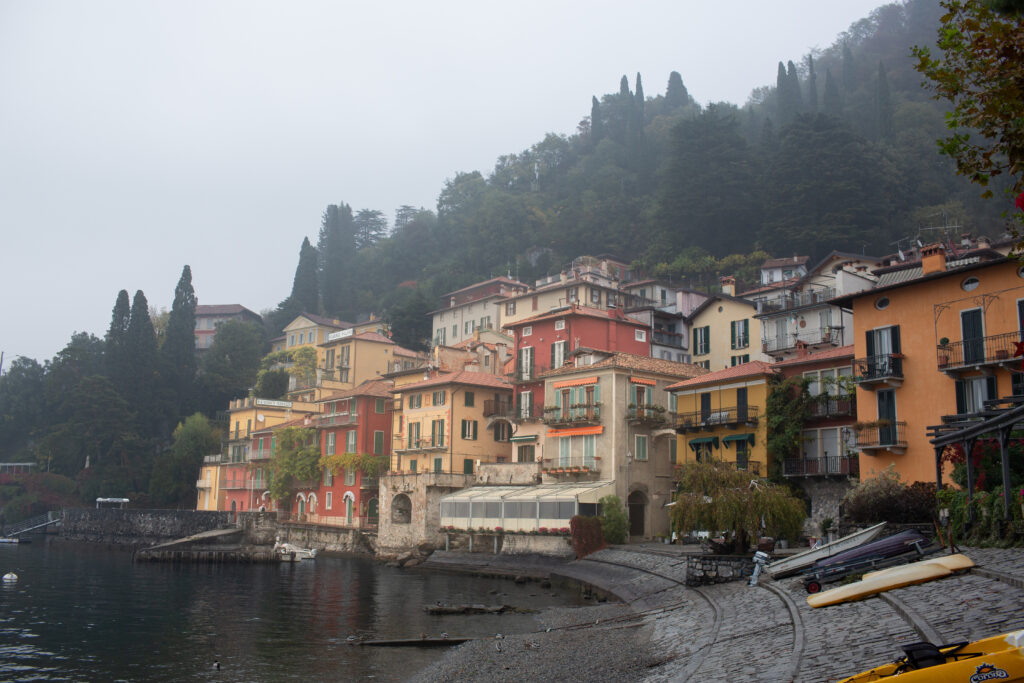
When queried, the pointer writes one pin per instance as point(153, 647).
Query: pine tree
point(117, 341)
point(142, 391)
point(370, 227)
point(305, 290)
point(596, 123)
point(812, 86)
point(883, 105)
point(676, 95)
point(336, 245)
point(831, 102)
point(178, 350)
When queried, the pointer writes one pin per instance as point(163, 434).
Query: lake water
point(84, 613)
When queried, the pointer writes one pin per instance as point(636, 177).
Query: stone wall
point(508, 474)
point(706, 569)
point(519, 544)
point(329, 538)
point(825, 495)
point(138, 527)
point(410, 509)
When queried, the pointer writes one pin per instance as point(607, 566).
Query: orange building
point(936, 337)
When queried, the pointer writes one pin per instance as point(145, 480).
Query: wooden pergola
point(998, 419)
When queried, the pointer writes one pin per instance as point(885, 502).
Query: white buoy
point(10, 577)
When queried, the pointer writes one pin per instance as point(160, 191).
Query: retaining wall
point(138, 527)
point(702, 570)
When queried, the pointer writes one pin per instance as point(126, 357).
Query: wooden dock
point(414, 642)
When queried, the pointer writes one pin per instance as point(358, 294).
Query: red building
point(245, 482)
point(545, 341)
point(356, 422)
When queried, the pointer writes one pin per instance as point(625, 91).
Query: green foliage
point(369, 465)
point(299, 363)
point(272, 384)
point(178, 351)
point(986, 508)
point(885, 498)
point(587, 535)
point(296, 459)
point(175, 471)
point(788, 407)
point(718, 498)
point(231, 364)
point(614, 520)
point(306, 285)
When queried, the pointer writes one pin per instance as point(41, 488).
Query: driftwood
point(474, 609)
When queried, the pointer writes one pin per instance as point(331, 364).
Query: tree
point(336, 246)
point(831, 103)
point(370, 227)
point(812, 86)
point(143, 389)
point(883, 105)
point(117, 340)
point(411, 326)
point(173, 481)
point(296, 458)
point(231, 364)
point(22, 409)
point(716, 497)
point(272, 384)
point(676, 95)
point(980, 72)
point(614, 520)
point(596, 124)
point(178, 351)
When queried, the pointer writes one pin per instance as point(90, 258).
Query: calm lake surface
point(83, 613)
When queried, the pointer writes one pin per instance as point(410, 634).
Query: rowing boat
point(788, 566)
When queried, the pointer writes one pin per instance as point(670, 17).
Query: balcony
point(265, 454)
point(506, 409)
point(673, 339)
point(574, 465)
point(792, 300)
point(202, 484)
point(499, 408)
point(752, 466)
point(418, 446)
point(826, 407)
point(882, 435)
point(832, 465)
point(527, 374)
point(829, 336)
point(235, 484)
point(885, 369)
point(647, 415)
point(366, 482)
point(726, 418)
point(577, 415)
point(337, 420)
point(970, 354)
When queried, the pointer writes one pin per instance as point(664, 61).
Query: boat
point(999, 658)
point(288, 552)
point(890, 546)
point(906, 546)
point(788, 566)
point(893, 577)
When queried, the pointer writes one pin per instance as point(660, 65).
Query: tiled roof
point(221, 309)
point(371, 387)
point(373, 336)
point(327, 322)
point(578, 310)
point(501, 279)
point(629, 361)
point(788, 261)
point(892, 278)
point(402, 351)
point(817, 357)
point(781, 284)
point(477, 379)
point(751, 369)
point(719, 297)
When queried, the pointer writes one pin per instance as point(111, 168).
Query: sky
point(140, 136)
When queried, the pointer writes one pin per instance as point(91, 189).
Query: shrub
point(887, 499)
point(614, 520)
point(586, 535)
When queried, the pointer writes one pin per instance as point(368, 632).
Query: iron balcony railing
point(572, 465)
point(829, 335)
point(648, 414)
point(578, 414)
point(718, 417)
point(846, 465)
point(878, 368)
point(529, 374)
point(881, 434)
point(338, 419)
point(825, 406)
point(997, 348)
point(673, 339)
point(512, 411)
point(793, 300)
point(426, 444)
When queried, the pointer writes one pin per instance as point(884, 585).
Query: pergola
point(999, 418)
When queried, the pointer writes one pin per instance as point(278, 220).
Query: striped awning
point(576, 431)
point(523, 439)
point(641, 380)
point(574, 382)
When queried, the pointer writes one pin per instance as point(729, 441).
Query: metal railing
point(647, 414)
point(883, 434)
point(826, 406)
point(996, 348)
point(848, 465)
point(878, 368)
point(673, 339)
point(718, 417)
point(752, 466)
point(570, 465)
point(498, 408)
point(828, 335)
point(579, 414)
point(793, 300)
point(527, 374)
point(337, 419)
point(424, 444)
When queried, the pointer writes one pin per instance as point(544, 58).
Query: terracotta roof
point(501, 278)
point(817, 357)
point(751, 369)
point(221, 309)
point(373, 336)
point(402, 351)
point(718, 297)
point(586, 311)
point(326, 322)
point(477, 379)
point(629, 361)
point(911, 275)
point(787, 261)
point(371, 387)
point(781, 284)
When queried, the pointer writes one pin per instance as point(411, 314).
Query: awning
point(713, 440)
point(523, 439)
point(749, 438)
point(574, 382)
point(640, 380)
point(576, 431)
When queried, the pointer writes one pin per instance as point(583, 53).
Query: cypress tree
point(782, 99)
point(812, 86)
point(624, 87)
point(596, 124)
point(883, 105)
point(831, 102)
point(794, 87)
point(178, 350)
point(848, 75)
point(117, 341)
point(336, 246)
point(639, 99)
point(676, 95)
point(141, 352)
point(305, 290)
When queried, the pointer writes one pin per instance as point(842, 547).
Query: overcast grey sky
point(136, 137)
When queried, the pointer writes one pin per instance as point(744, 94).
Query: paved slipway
point(664, 631)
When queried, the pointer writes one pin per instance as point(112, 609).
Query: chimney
point(563, 276)
point(728, 285)
point(933, 259)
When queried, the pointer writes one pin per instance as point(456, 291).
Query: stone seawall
point(702, 570)
point(137, 528)
point(329, 538)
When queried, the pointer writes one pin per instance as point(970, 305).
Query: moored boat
point(289, 552)
point(788, 566)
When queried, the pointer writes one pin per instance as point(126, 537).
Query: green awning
point(749, 438)
point(524, 438)
point(713, 440)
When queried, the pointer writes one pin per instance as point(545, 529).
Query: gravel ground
point(603, 642)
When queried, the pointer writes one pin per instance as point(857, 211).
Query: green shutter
point(732, 333)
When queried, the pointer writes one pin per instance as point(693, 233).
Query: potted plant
point(944, 352)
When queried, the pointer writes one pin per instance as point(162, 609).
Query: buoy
point(10, 577)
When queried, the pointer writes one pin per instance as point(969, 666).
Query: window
point(412, 466)
point(558, 350)
point(328, 500)
point(485, 322)
point(437, 433)
point(641, 447)
point(526, 362)
point(510, 308)
point(415, 400)
point(469, 399)
point(970, 284)
point(455, 331)
point(742, 454)
point(328, 477)
point(414, 435)
point(329, 449)
point(564, 451)
point(740, 360)
point(468, 327)
point(589, 442)
point(438, 398)
point(439, 338)
point(525, 408)
point(706, 364)
point(467, 468)
point(528, 330)
point(439, 464)
point(672, 445)
point(526, 454)
point(573, 294)
point(469, 430)
point(559, 325)
point(595, 296)
point(291, 340)
point(535, 303)
point(640, 335)
point(739, 333)
point(502, 431)
point(302, 337)
point(702, 340)
point(673, 402)
point(882, 303)
point(378, 406)
point(378, 442)
point(972, 393)
point(350, 476)
point(350, 441)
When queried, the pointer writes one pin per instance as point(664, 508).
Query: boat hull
point(793, 564)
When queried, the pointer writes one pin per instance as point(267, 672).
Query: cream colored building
point(724, 332)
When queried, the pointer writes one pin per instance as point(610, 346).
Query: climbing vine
point(369, 465)
point(296, 459)
point(789, 406)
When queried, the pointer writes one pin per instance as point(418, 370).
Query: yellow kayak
point(1000, 658)
point(894, 577)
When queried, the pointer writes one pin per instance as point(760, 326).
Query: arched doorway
point(311, 503)
point(350, 503)
point(302, 505)
point(637, 504)
point(373, 511)
point(401, 509)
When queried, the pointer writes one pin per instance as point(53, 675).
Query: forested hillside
point(838, 153)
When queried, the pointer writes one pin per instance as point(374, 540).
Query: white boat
point(288, 552)
point(788, 566)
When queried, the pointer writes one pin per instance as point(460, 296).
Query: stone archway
point(401, 509)
point(637, 505)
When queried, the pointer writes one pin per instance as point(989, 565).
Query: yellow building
point(724, 332)
point(349, 358)
point(721, 417)
point(439, 424)
point(208, 487)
